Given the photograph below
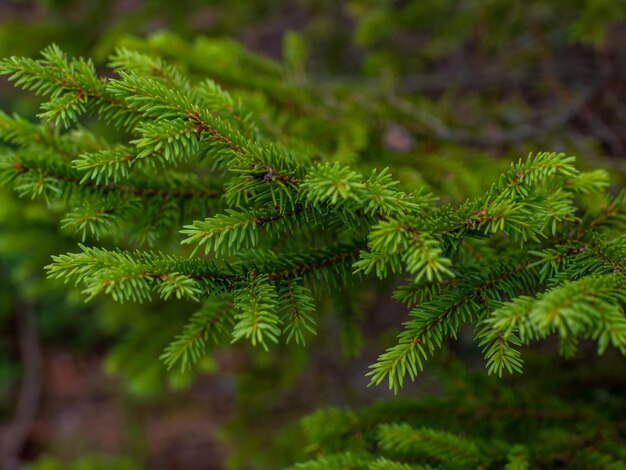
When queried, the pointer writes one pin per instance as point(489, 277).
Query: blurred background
point(440, 90)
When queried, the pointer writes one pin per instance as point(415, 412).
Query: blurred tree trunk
point(16, 433)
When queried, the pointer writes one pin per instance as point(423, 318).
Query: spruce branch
point(230, 232)
point(433, 321)
point(277, 216)
point(297, 306)
point(209, 325)
point(256, 305)
point(67, 81)
point(451, 450)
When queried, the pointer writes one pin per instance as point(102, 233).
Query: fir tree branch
point(432, 322)
point(66, 175)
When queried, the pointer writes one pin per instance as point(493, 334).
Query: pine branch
point(589, 307)
point(209, 325)
point(133, 275)
point(230, 232)
point(72, 86)
point(57, 175)
point(432, 322)
point(451, 450)
point(297, 305)
point(533, 255)
point(257, 321)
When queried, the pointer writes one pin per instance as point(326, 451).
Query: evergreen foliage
point(223, 199)
point(273, 219)
point(539, 421)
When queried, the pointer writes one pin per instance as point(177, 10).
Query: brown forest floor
point(83, 411)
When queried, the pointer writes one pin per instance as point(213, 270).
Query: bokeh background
point(465, 84)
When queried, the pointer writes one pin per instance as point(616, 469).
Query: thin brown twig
point(16, 434)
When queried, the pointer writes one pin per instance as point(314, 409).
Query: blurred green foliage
point(570, 419)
